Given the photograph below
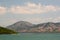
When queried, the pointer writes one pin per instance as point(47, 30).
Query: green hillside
point(6, 31)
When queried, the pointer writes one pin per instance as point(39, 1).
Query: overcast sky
point(34, 11)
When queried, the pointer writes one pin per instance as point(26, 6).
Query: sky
point(33, 11)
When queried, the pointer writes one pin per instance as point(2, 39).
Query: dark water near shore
point(31, 36)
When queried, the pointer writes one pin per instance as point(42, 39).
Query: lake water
point(31, 36)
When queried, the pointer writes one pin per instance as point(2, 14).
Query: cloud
point(57, 19)
point(2, 10)
point(42, 20)
point(8, 22)
point(39, 20)
point(31, 20)
point(29, 8)
point(32, 8)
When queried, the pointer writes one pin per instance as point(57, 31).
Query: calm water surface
point(31, 36)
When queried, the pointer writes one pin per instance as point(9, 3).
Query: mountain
point(6, 31)
point(47, 27)
point(23, 26)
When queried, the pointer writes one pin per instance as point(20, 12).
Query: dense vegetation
point(6, 31)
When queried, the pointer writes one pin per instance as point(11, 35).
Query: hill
point(23, 26)
point(6, 31)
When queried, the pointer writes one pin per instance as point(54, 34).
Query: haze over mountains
point(23, 26)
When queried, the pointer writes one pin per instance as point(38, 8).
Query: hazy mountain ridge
point(23, 26)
